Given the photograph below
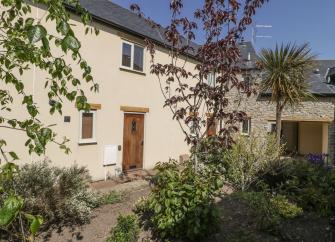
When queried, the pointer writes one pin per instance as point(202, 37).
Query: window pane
point(138, 58)
point(245, 126)
point(126, 55)
point(211, 79)
point(87, 126)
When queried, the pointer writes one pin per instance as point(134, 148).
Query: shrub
point(248, 158)
point(285, 208)
point(267, 218)
point(60, 195)
point(11, 209)
point(269, 210)
point(126, 230)
point(181, 204)
point(310, 186)
point(111, 197)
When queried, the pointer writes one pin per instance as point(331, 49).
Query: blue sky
point(296, 21)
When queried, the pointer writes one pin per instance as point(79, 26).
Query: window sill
point(245, 134)
point(132, 71)
point(82, 143)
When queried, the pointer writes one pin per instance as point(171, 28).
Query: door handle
point(142, 142)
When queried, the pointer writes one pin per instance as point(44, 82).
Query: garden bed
point(103, 218)
point(237, 222)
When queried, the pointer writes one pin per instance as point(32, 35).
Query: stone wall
point(262, 111)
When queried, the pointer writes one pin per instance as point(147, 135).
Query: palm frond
point(286, 69)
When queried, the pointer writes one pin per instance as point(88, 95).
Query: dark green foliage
point(126, 230)
point(181, 204)
point(311, 186)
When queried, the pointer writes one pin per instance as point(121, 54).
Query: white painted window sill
point(122, 68)
point(87, 142)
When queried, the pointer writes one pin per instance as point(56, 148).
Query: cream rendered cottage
point(128, 128)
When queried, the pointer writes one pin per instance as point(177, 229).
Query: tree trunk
point(278, 123)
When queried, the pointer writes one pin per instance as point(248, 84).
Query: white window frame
point(213, 76)
point(131, 68)
point(249, 127)
point(93, 139)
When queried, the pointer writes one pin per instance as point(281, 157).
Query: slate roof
point(331, 71)
point(116, 16)
point(121, 18)
point(247, 50)
point(318, 81)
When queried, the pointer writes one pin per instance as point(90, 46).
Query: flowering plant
point(317, 159)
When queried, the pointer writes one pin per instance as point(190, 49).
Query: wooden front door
point(133, 138)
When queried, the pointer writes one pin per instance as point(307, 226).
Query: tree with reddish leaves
point(196, 104)
point(184, 193)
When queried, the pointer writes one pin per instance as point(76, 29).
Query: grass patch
point(112, 197)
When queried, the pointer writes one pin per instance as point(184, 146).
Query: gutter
point(132, 32)
point(315, 94)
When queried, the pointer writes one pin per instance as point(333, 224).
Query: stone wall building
point(309, 128)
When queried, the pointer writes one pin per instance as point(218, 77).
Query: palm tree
point(285, 71)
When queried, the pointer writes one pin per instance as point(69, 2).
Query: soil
point(103, 218)
point(237, 221)
point(238, 224)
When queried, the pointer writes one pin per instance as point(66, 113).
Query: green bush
point(126, 230)
point(310, 186)
point(285, 208)
point(248, 158)
point(267, 218)
point(60, 195)
point(181, 204)
point(111, 197)
point(269, 210)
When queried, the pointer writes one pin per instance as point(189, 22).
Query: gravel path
point(103, 218)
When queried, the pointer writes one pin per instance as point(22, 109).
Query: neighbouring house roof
point(248, 55)
point(331, 71)
point(318, 83)
point(318, 80)
point(121, 18)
